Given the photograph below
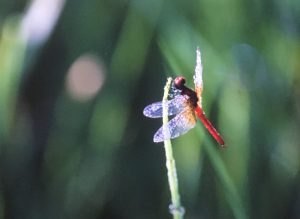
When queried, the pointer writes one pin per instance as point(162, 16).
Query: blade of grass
point(231, 192)
point(12, 56)
point(175, 208)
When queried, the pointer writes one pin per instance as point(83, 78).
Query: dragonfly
point(185, 106)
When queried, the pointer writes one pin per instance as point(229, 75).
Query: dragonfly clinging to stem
point(186, 106)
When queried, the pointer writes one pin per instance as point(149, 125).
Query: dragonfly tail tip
point(223, 145)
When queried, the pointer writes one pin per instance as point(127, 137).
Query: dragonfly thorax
point(179, 84)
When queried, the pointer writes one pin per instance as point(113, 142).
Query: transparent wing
point(175, 106)
point(177, 126)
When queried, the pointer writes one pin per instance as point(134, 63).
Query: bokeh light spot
point(85, 78)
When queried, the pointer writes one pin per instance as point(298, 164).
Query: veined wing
point(174, 106)
point(177, 126)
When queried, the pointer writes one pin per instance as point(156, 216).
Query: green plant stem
point(175, 208)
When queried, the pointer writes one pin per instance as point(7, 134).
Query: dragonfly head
point(179, 82)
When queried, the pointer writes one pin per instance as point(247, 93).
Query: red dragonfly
point(186, 106)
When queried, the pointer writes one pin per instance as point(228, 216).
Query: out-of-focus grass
point(97, 159)
point(12, 51)
point(232, 194)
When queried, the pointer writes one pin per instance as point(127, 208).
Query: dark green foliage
point(64, 155)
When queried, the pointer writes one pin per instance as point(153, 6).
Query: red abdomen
point(209, 126)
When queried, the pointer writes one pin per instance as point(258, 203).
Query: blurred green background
point(76, 75)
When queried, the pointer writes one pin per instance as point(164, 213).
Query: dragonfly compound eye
point(179, 82)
